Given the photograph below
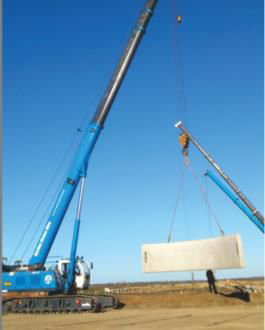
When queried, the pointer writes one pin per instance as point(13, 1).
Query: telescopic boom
point(79, 167)
point(236, 200)
point(239, 193)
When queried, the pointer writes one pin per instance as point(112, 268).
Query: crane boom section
point(65, 196)
point(236, 200)
point(79, 166)
point(122, 66)
point(239, 193)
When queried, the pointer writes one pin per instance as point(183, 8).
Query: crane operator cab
point(82, 272)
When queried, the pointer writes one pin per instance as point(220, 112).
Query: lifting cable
point(184, 141)
point(176, 204)
point(44, 216)
point(208, 212)
point(177, 59)
point(205, 197)
point(180, 92)
point(44, 196)
point(82, 125)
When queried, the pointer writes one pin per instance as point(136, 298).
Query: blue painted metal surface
point(71, 271)
point(81, 160)
point(236, 200)
point(79, 167)
point(70, 274)
point(32, 281)
point(77, 170)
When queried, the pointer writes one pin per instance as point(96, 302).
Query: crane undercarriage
point(43, 303)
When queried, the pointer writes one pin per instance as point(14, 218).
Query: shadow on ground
point(120, 305)
point(239, 294)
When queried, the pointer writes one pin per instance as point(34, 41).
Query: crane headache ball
point(179, 19)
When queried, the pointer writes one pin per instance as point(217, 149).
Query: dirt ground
point(163, 307)
point(230, 317)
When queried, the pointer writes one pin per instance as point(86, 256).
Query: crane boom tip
point(178, 124)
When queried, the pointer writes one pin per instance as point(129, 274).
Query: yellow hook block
point(184, 140)
point(179, 19)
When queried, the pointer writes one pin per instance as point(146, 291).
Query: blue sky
point(58, 57)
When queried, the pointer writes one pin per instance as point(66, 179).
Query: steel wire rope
point(46, 210)
point(186, 213)
point(181, 106)
point(209, 214)
point(178, 62)
point(82, 124)
point(202, 190)
point(177, 59)
point(173, 219)
point(44, 196)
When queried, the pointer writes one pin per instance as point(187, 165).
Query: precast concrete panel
point(213, 253)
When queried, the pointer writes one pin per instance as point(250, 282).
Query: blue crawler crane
point(31, 288)
point(239, 199)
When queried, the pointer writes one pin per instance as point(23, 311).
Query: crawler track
point(60, 304)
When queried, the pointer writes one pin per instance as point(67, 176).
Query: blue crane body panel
point(77, 170)
point(32, 281)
